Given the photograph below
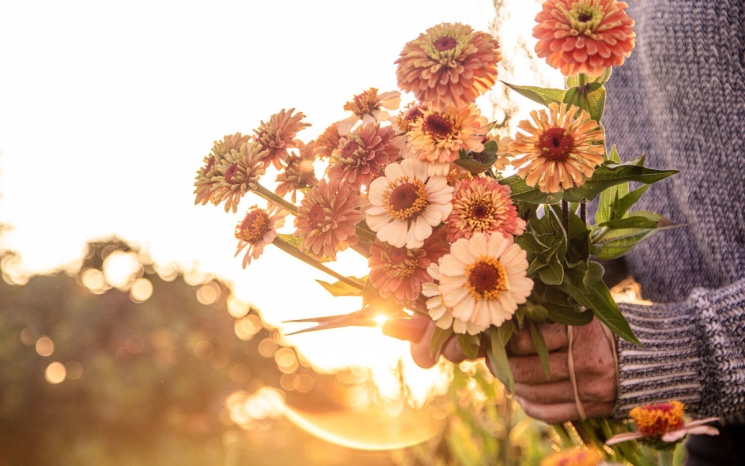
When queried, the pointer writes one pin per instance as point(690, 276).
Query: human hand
point(552, 400)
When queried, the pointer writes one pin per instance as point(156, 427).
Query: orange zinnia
point(584, 36)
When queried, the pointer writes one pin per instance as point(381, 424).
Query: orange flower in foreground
point(663, 422)
point(368, 107)
point(584, 36)
point(449, 63)
point(278, 134)
point(258, 229)
point(438, 136)
point(557, 151)
point(576, 456)
point(326, 219)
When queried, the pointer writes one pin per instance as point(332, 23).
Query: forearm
point(693, 352)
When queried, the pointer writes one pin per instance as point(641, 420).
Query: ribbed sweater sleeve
point(693, 352)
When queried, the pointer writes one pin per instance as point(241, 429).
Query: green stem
point(666, 456)
point(565, 216)
point(582, 78)
point(273, 197)
point(291, 250)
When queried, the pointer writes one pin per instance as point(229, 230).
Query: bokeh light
point(45, 346)
point(141, 290)
point(55, 373)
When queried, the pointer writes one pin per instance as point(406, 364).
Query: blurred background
point(129, 334)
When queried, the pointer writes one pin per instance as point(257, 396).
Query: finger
point(420, 349)
point(555, 336)
point(529, 370)
point(452, 351)
point(558, 413)
point(406, 329)
point(546, 394)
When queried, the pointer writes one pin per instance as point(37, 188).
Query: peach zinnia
point(439, 312)
point(482, 205)
point(400, 272)
point(584, 36)
point(368, 107)
point(326, 219)
point(557, 151)
point(278, 134)
point(483, 280)
point(406, 203)
point(449, 63)
point(257, 229)
point(238, 173)
point(438, 136)
point(362, 154)
point(327, 141)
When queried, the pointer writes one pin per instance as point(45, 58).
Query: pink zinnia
point(363, 154)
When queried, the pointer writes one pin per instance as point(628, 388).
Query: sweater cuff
point(669, 365)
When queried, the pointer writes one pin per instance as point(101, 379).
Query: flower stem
point(582, 78)
point(565, 216)
point(291, 250)
point(666, 456)
point(273, 197)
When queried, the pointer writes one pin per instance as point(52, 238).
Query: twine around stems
point(572, 375)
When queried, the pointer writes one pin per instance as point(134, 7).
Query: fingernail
point(405, 329)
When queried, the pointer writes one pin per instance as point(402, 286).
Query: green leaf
point(573, 81)
point(523, 193)
point(541, 349)
point(568, 315)
point(497, 356)
point(538, 94)
point(607, 197)
point(438, 339)
point(537, 313)
point(477, 165)
point(341, 288)
point(590, 97)
point(552, 274)
point(613, 243)
point(621, 206)
point(371, 297)
point(634, 221)
point(610, 174)
point(604, 307)
point(505, 332)
point(469, 344)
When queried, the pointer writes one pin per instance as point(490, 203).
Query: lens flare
point(369, 429)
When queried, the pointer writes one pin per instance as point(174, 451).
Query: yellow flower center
point(405, 199)
point(555, 144)
point(401, 262)
point(253, 228)
point(486, 278)
point(585, 18)
point(364, 104)
point(656, 420)
point(437, 126)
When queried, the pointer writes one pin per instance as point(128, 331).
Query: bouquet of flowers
point(482, 232)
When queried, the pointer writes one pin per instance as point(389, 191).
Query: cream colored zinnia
point(484, 280)
point(405, 203)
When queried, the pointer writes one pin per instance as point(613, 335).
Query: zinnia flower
point(576, 456)
point(298, 173)
point(326, 219)
point(207, 175)
point(258, 229)
point(663, 422)
point(400, 272)
point(483, 280)
point(327, 141)
point(406, 203)
point(439, 312)
point(584, 36)
point(438, 136)
point(368, 107)
point(278, 134)
point(482, 205)
point(557, 151)
point(362, 154)
point(449, 63)
point(237, 173)
point(410, 115)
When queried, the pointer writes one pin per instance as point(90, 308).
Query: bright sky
point(107, 109)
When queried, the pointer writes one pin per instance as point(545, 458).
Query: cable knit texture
point(680, 99)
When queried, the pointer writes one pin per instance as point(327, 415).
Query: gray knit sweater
point(680, 99)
